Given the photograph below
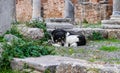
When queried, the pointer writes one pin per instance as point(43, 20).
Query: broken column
point(7, 14)
point(36, 14)
point(114, 21)
point(69, 9)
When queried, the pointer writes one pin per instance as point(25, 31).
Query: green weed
point(96, 36)
point(109, 48)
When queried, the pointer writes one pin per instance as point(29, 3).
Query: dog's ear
point(64, 31)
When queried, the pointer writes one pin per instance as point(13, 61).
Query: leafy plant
point(109, 48)
point(85, 21)
point(16, 22)
point(41, 25)
point(22, 49)
point(1, 38)
point(14, 31)
point(96, 36)
point(4, 70)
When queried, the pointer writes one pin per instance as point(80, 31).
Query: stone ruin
point(112, 26)
point(7, 14)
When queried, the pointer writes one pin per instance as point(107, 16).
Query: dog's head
point(59, 36)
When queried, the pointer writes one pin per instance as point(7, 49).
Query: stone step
point(85, 31)
point(54, 25)
point(111, 26)
point(106, 33)
point(59, 20)
point(58, 64)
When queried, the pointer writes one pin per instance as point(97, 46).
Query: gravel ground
point(91, 52)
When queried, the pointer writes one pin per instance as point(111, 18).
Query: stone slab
point(110, 26)
point(85, 31)
point(106, 33)
point(113, 33)
point(42, 63)
point(62, 25)
point(58, 64)
point(111, 21)
point(31, 33)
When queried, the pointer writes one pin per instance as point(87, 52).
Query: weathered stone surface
point(59, 25)
point(58, 20)
point(69, 9)
point(92, 12)
point(23, 10)
point(113, 33)
point(113, 23)
point(42, 63)
point(110, 26)
point(106, 33)
point(10, 37)
point(7, 14)
point(36, 14)
point(77, 67)
point(116, 8)
point(60, 64)
point(33, 33)
point(86, 31)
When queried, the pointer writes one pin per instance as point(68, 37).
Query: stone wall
point(53, 9)
point(7, 14)
point(23, 10)
point(91, 12)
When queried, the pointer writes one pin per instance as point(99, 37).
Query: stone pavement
point(58, 64)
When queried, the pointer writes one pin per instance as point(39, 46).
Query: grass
point(108, 40)
point(100, 54)
point(9, 71)
point(109, 48)
point(68, 51)
point(87, 25)
point(1, 38)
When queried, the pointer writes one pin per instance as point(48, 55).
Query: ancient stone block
point(32, 33)
point(7, 14)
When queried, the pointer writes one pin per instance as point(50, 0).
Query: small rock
point(10, 37)
point(27, 70)
point(32, 33)
point(35, 72)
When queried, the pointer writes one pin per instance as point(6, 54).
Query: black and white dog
point(61, 37)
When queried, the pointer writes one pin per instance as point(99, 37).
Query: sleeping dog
point(61, 37)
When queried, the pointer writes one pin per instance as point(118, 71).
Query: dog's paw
point(56, 45)
point(73, 45)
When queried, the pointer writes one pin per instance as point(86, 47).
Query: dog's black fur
point(59, 35)
point(64, 37)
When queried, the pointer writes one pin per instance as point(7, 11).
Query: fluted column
point(36, 13)
point(114, 21)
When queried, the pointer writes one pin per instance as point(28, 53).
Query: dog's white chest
point(72, 39)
